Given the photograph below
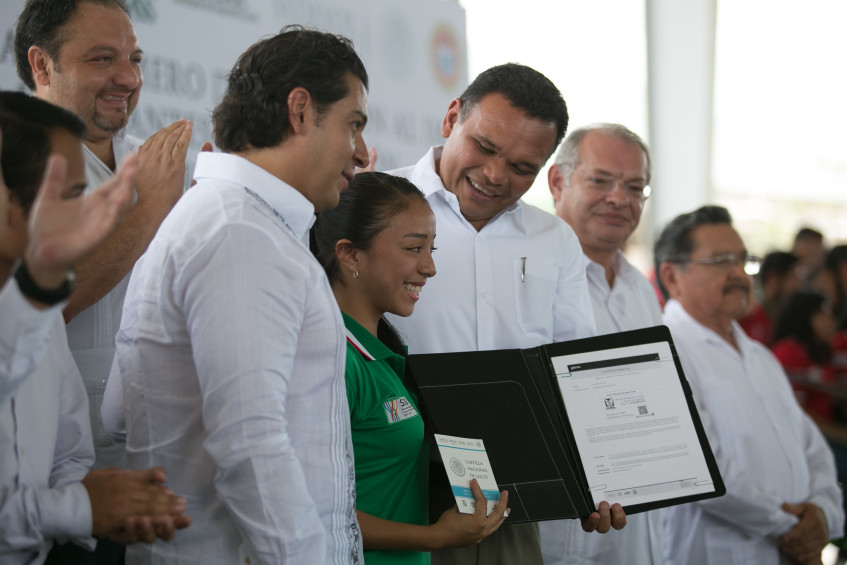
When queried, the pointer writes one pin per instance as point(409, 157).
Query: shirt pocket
point(535, 292)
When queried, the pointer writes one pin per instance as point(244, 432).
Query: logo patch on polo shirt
point(398, 409)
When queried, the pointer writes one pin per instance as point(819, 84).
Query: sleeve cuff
point(66, 514)
point(833, 512)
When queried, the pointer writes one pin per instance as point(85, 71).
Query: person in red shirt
point(801, 343)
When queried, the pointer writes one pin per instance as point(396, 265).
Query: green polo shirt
point(388, 440)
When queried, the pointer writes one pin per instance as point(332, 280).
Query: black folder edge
point(653, 334)
point(539, 367)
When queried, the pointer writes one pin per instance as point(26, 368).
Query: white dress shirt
point(91, 333)
point(519, 282)
point(23, 336)
point(628, 305)
point(45, 450)
point(767, 449)
point(231, 352)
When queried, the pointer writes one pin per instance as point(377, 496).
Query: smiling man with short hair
point(509, 274)
point(599, 183)
point(231, 348)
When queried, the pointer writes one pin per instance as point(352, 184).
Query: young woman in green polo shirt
point(376, 248)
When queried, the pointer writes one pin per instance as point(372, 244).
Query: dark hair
point(26, 122)
point(526, 89)
point(834, 258)
point(795, 321)
point(40, 23)
point(675, 242)
point(254, 109)
point(363, 211)
point(777, 263)
point(808, 233)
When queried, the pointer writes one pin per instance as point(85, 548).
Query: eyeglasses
point(605, 185)
point(727, 261)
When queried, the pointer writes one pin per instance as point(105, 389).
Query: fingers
point(181, 522)
point(2, 183)
point(795, 509)
point(152, 499)
point(157, 475)
point(181, 140)
point(164, 527)
point(481, 508)
point(601, 521)
point(500, 512)
point(605, 522)
point(53, 181)
point(590, 524)
point(500, 507)
point(157, 141)
point(618, 516)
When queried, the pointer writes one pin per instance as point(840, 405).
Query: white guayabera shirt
point(767, 450)
point(231, 354)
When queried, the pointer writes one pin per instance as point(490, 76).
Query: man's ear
point(41, 66)
point(556, 182)
point(669, 275)
point(299, 104)
point(451, 118)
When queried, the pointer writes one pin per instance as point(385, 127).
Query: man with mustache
point(783, 502)
point(599, 185)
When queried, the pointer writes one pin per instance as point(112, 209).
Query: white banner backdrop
point(415, 53)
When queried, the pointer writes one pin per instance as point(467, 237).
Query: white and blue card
point(465, 459)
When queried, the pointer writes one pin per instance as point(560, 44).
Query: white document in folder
point(632, 425)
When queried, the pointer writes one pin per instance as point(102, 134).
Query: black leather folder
point(511, 400)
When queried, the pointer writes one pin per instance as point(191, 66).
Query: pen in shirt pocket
point(523, 269)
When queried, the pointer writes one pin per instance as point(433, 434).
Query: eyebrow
point(599, 171)
point(417, 235)
point(362, 116)
point(108, 48)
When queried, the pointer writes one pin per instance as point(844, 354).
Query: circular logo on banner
point(445, 56)
point(457, 467)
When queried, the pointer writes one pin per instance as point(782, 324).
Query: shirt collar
point(296, 210)
point(620, 267)
point(429, 182)
point(370, 347)
point(699, 332)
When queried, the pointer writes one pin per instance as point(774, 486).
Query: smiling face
point(97, 74)
point(491, 158)
point(602, 220)
point(393, 270)
point(714, 295)
point(335, 148)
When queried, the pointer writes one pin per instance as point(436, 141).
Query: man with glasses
point(599, 185)
point(783, 501)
